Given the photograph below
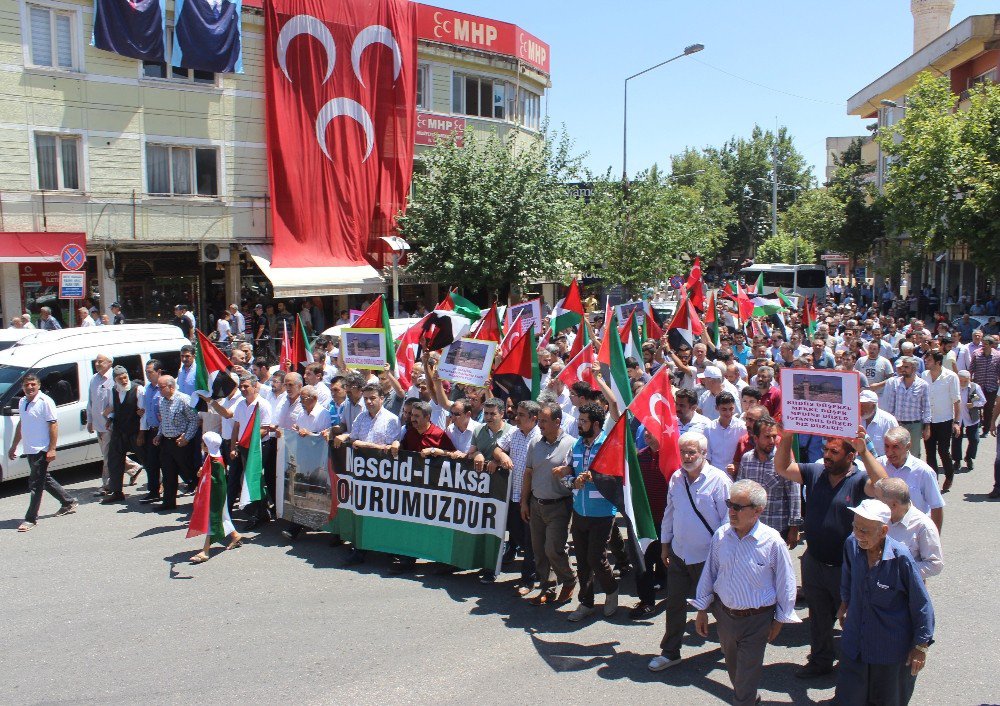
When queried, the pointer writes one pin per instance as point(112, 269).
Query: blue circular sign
point(72, 257)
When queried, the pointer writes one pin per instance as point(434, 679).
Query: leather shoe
point(149, 499)
point(566, 593)
point(543, 597)
point(113, 498)
point(641, 610)
point(813, 670)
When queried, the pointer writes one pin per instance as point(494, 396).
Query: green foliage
point(854, 187)
point(782, 248)
point(495, 213)
point(817, 218)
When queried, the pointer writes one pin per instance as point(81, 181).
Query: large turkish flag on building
point(341, 115)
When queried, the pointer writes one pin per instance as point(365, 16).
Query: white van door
point(66, 385)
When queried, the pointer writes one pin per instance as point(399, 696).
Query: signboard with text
point(72, 284)
point(431, 127)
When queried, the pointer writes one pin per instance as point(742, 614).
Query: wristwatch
point(922, 648)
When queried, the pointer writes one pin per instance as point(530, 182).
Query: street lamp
point(692, 49)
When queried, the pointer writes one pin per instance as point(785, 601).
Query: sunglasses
point(733, 506)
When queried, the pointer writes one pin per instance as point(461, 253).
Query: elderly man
point(970, 406)
point(749, 583)
point(289, 407)
point(899, 462)
point(98, 400)
point(907, 398)
point(943, 393)
point(303, 415)
point(886, 614)
point(784, 497)
point(832, 487)
point(912, 528)
point(178, 426)
point(461, 429)
point(876, 421)
point(46, 321)
point(546, 505)
point(124, 413)
point(714, 384)
point(695, 509)
point(252, 402)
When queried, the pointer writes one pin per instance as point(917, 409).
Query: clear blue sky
point(822, 51)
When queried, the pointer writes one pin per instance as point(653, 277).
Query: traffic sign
point(832, 256)
point(72, 257)
point(676, 282)
point(72, 284)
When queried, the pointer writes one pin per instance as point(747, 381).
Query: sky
point(794, 61)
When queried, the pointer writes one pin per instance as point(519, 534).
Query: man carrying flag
point(210, 511)
point(255, 445)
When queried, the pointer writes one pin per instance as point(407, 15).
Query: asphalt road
point(102, 607)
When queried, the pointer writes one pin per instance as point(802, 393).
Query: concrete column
point(10, 291)
point(233, 279)
point(106, 284)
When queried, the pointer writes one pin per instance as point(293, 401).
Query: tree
point(788, 248)
point(638, 238)
point(854, 187)
point(493, 214)
point(816, 218)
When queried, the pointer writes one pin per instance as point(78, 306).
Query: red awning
point(39, 247)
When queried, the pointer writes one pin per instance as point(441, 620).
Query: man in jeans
point(39, 428)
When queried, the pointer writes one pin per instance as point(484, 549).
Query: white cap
point(213, 442)
point(869, 396)
point(872, 509)
point(711, 373)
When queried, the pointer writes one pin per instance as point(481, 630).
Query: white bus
point(803, 280)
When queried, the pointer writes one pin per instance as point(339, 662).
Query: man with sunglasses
point(749, 582)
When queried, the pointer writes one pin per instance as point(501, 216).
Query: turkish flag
point(654, 407)
point(341, 121)
point(578, 369)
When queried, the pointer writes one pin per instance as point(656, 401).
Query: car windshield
point(4, 345)
point(10, 382)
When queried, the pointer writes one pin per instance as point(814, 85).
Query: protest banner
point(623, 311)
point(363, 348)
point(821, 402)
point(531, 312)
point(468, 361)
point(437, 509)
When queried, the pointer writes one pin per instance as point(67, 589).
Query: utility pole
point(774, 188)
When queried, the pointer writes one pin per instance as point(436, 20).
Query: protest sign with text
point(821, 402)
point(468, 361)
point(530, 311)
point(363, 348)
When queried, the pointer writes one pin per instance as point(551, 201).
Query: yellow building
point(164, 171)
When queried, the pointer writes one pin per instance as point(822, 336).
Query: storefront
point(30, 263)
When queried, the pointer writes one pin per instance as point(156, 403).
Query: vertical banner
point(341, 118)
point(207, 36)
point(136, 29)
point(431, 508)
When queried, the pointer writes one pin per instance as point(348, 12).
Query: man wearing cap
point(749, 582)
point(943, 394)
point(907, 398)
point(912, 528)
point(98, 400)
point(970, 407)
point(714, 384)
point(876, 421)
point(117, 317)
point(885, 612)
point(125, 411)
point(832, 487)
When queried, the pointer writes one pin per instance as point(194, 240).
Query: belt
point(550, 501)
point(744, 612)
point(915, 421)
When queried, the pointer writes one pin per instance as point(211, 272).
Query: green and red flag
point(210, 510)
point(618, 381)
point(518, 373)
point(489, 326)
point(581, 340)
point(211, 372)
point(712, 319)
point(569, 310)
point(651, 326)
point(253, 489)
point(377, 316)
point(618, 478)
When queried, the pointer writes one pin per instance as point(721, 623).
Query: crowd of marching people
point(870, 509)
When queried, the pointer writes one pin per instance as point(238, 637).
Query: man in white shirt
point(945, 413)
point(714, 385)
point(38, 427)
point(695, 509)
point(688, 419)
point(462, 428)
point(252, 401)
point(224, 329)
point(875, 420)
point(376, 427)
point(86, 320)
point(724, 433)
point(239, 322)
point(315, 419)
point(289, 409)
point(98, 400)
point(313, 375)
point(912, 528)
point(921, 478)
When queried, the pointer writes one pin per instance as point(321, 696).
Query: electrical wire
point(765, 87)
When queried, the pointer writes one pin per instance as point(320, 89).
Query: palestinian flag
point(580, 341)
point(253, 471)
point(377, 316)
point(618, 478)
point(569, 310)
point(301, 352)
point(728, 291)
point(695, 286)
point(652, 330)
point(758, 286)
point(489, 326)
point(633, 349)
point(712, 320)
point(766, 307)
point(785, 301)
point(210, 511)
point(579, 369)
point(408, 351)
point(809, 322)
point(442, 328)
point(463, 306)
point(211, 375)
point(618, 381)
point(518, 372)
point(685, 328)
point(604, 353)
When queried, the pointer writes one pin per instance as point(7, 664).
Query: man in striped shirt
point(907, 398)
point(512, 455)
point(749, 582)
point(984, 365)
point(784, 499)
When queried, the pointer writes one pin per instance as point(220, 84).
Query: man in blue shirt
point(188, 371)
point(885, 612)
point(149, 427)
point(593, 518)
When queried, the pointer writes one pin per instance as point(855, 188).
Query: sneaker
point(661, 662)
point(582, 611)
point(610, 604)
point(641, 610)
point(67, 509)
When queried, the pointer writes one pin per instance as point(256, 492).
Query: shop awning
point(43, 247)
point(316, 281)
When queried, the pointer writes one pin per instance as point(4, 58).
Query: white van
point(63, 361)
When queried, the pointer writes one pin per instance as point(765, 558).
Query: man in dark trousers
point(124, 417)
point(178, 426)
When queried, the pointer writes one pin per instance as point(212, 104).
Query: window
point(182, 171)
point(481, 97)
point(424, 86)
point(529, 109)
point(171, 361)
point(988, 77)
point(134, 366)
point(158, 69)
point(61, 383)
point(52, 33)
point(58, 158)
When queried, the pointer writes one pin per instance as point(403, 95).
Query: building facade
point(162, 172)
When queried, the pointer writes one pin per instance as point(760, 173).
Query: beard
point(690, 466)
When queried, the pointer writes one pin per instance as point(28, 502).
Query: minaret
point(931, 19)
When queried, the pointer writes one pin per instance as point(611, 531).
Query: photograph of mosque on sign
point(468, 361)
point(818, 388)
point(363, 348)
point(821, 402)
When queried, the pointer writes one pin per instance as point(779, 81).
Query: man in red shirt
point(770, 395)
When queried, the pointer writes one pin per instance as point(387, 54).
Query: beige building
point(163, 171)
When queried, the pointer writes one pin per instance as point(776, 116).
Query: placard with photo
point(363, 348)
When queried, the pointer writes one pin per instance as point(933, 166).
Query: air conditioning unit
point(213, 253)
